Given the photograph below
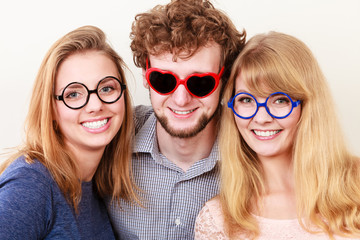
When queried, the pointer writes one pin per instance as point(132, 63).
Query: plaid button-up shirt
point(171, 197)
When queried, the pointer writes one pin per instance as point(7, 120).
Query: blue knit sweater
point(33, 207)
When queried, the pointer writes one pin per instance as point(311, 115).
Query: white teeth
point(183, 112)
point(96, 124)
point(266, 133)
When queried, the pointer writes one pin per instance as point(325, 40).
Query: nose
point(181, 96)
point(94, 104)
point(262, 116)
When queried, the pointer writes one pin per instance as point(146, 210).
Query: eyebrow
point(241, 90)
point(71, 87)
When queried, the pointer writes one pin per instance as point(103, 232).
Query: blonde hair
point(44, 140)
point(326, 175)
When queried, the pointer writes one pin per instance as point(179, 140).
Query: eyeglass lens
point(76, 95)
point(279, 105)
point(201, 86)
point(162, 82)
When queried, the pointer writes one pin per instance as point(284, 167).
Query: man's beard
point(201, 124)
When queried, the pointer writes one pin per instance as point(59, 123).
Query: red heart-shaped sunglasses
point(197, 84)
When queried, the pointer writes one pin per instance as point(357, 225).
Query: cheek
point(118, 108)
point(118, 112)
point(213, 100)
point(63, 114)
point(156, 99)
point(241, 124)
point(291, 122)
point(65, 118)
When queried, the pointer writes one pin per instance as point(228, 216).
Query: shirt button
point(177, 221)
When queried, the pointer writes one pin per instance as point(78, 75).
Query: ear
point(145, 83)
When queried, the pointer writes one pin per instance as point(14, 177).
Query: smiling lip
point(182, 113)
point(96, 126)
point(266, 135)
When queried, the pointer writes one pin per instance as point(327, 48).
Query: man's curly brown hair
point(183, 26)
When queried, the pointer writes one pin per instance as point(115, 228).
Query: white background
point(28, 28)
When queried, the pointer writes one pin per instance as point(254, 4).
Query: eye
point(74, 92)
point(282, 100)
point(108, 86)
point(245, 100)
point(106, 89)
point(279, 101)
point(72, 95)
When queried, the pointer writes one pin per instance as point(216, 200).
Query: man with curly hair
point(186, 49)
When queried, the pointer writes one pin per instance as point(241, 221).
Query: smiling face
point(265, 135)
point(180, 113)
point(92, 127)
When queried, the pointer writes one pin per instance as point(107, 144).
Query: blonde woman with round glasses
point(285, 170)
point(78, 145)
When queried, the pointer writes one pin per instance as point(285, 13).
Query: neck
point(278, 173)
point(87, 161)
point(278, 202)
point(184, 152)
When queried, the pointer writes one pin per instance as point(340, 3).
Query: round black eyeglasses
point(76, 95)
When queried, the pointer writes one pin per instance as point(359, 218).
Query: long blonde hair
point(327, 178)
point(44, 140)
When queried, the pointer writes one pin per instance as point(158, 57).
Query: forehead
point(86, 67)
point(240, 83)
point(206, 59)
point(257, 87)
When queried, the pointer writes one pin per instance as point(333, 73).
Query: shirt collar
point(145, 139)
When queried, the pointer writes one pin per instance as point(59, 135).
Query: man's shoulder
point(141, 115)
point(143, 111)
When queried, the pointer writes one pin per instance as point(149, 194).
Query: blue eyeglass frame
point(258, 105)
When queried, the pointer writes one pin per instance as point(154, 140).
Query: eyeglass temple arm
point(221, 71)
point(297, 103)
point(230, 102)
point(58, 97)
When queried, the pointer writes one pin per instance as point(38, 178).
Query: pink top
point(210, 225)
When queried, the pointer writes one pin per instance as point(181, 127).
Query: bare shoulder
point(214, 203)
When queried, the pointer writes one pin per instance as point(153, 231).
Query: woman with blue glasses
point(285, 169)
point(77, 148)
